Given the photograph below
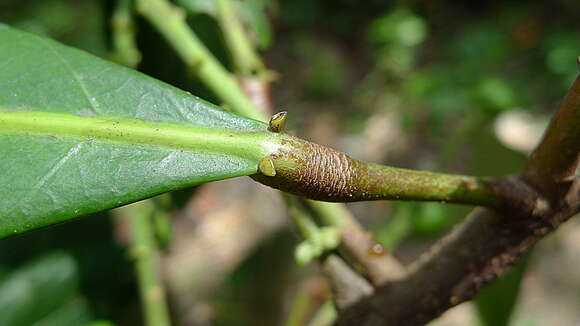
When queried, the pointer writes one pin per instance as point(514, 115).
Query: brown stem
point(379, 265)
point(487, 244)
point(348, 286)
point(480, 250)
point(555, 159)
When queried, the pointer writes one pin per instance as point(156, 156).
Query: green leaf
point(37, 290)
point(74, 312)
point(496, 94)
point(400, 27)
point(79, 135)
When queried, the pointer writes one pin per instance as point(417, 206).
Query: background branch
point(124, 35)
point(169, 20)
point(246, 60)
point(144, 253)
point(347, 285)
point(358, 244)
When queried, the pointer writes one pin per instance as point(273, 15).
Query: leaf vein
point(53, 170)
point(94, 104)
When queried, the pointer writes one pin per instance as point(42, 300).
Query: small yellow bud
point(266, 166)
point(278, 122)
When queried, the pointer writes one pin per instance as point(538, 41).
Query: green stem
point(332, 214)
point(359, 246)
point(301, 306)
point(313, 245)
point(325, 316)
point(249, 145)
point(246, 61)
point(145, 254)
point(161, 221)
point(306, 226)
point(123, 32)
point(316, 172)
point(170, 22)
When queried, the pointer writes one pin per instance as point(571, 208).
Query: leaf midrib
point(244, 144)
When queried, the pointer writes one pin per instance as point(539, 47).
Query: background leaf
point(49, 178)
point(43, 292)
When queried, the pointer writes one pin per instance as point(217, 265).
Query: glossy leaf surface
point(79, 135)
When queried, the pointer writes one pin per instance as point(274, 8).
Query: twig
point(310, 296)
point(325, 316)
point(246, 60)
point(301, 307)
point(251, 73)
point(322, 174)
point(123, 34)
point(143, 251)
point(316, 172)
point(358, 244)
point(170, 22)
point(347, 285)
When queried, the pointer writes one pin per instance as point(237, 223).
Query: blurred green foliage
point(43, 292)
point(447, 69)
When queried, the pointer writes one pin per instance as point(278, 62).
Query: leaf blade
point(79, 135)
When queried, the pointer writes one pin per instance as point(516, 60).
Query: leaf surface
point(79, 135)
